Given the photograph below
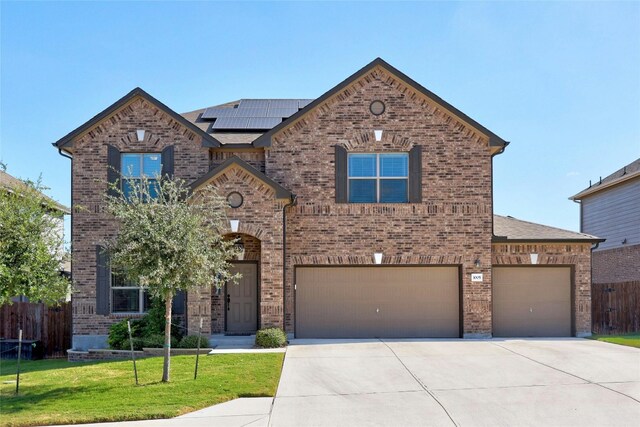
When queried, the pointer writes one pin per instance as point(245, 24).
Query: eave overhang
point(66, 142)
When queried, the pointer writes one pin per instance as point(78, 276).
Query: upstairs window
point(136, 166)
point(378, 178)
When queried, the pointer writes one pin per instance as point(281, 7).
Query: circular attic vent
point(377, 107)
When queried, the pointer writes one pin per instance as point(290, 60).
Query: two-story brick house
point(367, 212)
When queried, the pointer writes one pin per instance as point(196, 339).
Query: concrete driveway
point(458, 382)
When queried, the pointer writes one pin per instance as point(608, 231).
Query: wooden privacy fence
point(615, 307)
point(51, 325)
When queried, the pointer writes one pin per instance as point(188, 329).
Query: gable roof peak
point(66, 141)
point(494, 140)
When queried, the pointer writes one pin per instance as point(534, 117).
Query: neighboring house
point(12, 184)
point(367, 212)
point(610, 208)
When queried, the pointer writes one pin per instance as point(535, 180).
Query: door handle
point(228, 302)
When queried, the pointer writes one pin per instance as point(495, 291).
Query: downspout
point(497, 153)
point(63, 154)
point(292, 202)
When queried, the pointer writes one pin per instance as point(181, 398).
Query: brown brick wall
point(260, 217)
point(90, 225)
point(255, 157)
point(451, 226)
point(575, 255)
point(617, 265)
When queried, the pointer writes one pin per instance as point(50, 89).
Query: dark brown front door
point(242, 300)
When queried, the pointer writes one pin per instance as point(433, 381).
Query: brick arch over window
point(366, 140)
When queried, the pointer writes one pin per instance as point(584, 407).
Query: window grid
point(377, 177)
point(142, 295)
point(137, 173)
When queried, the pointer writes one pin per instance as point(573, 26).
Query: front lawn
point(631, 340)
point(59, 392)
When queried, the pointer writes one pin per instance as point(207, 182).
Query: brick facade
point(617, 265)
point(91, 226)
point(452, 225)
point(575, 255)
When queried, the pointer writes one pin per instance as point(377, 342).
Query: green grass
point(631, 340)
point(59, 392)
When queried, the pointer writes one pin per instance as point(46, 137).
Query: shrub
point(191, 341)
point(153, 321)
point(271, 338)
point(157, 341)
point(119, 334)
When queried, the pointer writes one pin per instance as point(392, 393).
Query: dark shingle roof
point(625, 173)
point(507, 228)
point(12, 183)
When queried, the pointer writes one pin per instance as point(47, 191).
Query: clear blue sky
point(561, 81)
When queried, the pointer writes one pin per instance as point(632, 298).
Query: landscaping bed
point(61, 392)
point(630, 340)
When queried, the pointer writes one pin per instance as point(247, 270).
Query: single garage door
point(377, 302)
point(531, 301)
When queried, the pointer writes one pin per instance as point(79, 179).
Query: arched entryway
point(235, 308)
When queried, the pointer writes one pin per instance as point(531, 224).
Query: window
point(378, 178)
point(138, 165)
point(127, 296)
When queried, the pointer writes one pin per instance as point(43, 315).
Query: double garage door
point(368, 302)
point(407, 302)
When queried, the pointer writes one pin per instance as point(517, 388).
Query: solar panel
point(263, 122)
point(283, 103)
point(281, 112)
point(211, 113)
point(254, 103)
point(251, 112)
point(231, 123)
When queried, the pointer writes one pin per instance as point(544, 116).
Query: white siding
point(614, 214)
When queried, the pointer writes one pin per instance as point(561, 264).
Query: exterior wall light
point(378, 135)
point(240, 248)
point(235, 223)
point(377, 257)
point(140, 134)
point(534, 258)
point(477, 263)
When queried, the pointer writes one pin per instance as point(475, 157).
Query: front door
point(242, 300)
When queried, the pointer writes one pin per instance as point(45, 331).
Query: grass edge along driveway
point(60, 392)
point(630, 340)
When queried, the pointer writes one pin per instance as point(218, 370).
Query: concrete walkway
point(533, 382)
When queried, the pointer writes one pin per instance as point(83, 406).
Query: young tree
point(31, 239)
point(169, 240)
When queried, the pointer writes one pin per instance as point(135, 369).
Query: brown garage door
point(531, 301)
point(368, 302)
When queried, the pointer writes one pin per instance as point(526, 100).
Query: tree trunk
point(167, 337)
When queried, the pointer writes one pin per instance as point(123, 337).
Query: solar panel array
point(256, 114)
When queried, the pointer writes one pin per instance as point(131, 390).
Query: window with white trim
point(128, 296)
point(378, 178)
point(136, 166)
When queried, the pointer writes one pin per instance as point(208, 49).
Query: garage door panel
point(531, 301)
point(362, 302)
